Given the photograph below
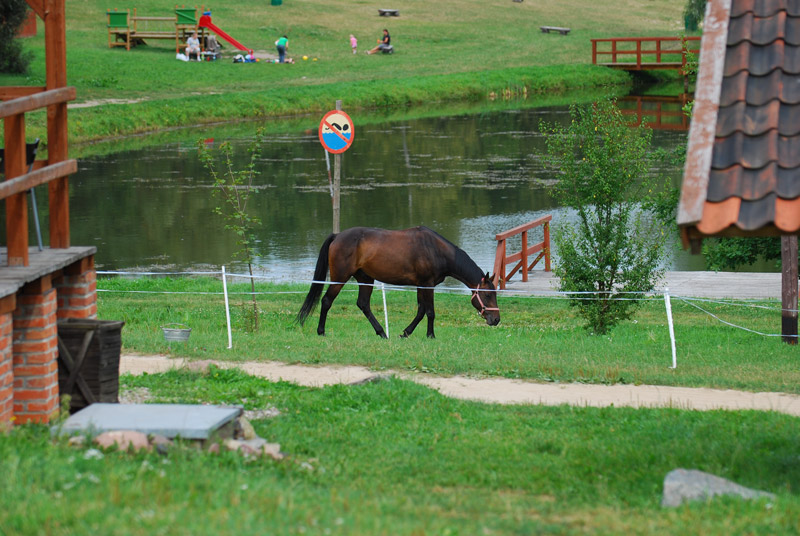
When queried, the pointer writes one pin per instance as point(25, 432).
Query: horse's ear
point(487, 277)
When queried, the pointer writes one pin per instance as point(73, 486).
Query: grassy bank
point(454, 50)
point(396, 458)
point(538, 338)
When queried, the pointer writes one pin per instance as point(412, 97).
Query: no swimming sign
point(336, 131)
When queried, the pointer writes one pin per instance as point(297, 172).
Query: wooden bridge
point(657, 112)
point(644, 53)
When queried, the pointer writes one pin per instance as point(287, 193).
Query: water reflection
point(468, 177)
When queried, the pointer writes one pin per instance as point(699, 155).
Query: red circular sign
point(336, 131)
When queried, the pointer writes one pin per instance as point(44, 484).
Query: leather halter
point(480, 302)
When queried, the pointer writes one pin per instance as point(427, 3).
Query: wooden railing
point(658, 113)
point(648, 52)
point(503, 260)
point(54, 171)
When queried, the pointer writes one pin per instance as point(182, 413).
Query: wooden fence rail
point(503, 260)
point(17, 178)
point(648, 52)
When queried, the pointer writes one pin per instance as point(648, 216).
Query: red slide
point(205, 22)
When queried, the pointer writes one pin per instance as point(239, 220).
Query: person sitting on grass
point(383, 44)
point(193, 46)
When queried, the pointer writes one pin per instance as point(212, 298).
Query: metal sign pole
point(337, 182)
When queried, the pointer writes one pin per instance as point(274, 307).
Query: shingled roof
point(742, 174)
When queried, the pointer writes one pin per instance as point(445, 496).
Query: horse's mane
point(463, 268)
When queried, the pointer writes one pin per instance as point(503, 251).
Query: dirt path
point(499, 390)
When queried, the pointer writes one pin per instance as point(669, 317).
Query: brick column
point(77, 290)
point(7, 306)
point(35, 349)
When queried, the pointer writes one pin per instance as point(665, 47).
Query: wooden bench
point(389, 12)
point(548, 29)
point(124, 30)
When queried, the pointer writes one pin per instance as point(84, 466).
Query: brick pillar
point(77, 290)
point(7, 306)
point(35, 349)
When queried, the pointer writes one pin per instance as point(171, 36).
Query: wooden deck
point(13, 278)
point(727, 285)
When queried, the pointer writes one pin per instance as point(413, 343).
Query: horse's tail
point(320, 273)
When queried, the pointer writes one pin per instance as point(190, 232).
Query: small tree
point(234, 188)
point(616, 247)
point(12, 58)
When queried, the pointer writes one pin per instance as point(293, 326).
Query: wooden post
point(337, 182)
point(56, 64)
point(16, 205)
point(547, 246)
point(525, 256)
point(789, 288)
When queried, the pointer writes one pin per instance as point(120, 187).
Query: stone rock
point(247, 450)
point(232, 444)
point(375, 378)
point(245, 430)
point(123, 440)
point(162, 444)
point(76, 441)
point(273, 450)
point(683, 485)
point(255, 443)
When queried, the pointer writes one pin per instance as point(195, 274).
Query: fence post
point(668, 305)
point(524, 256)
point(227, 308)
point(385, 311)
point(500, 264)
point(547, 246)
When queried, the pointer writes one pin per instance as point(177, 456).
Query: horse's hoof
point(321, 333)
point(404, 335)
point(431, 336)
point(382, 335)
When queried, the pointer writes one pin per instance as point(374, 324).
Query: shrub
point(13, 59)
point(616, 247)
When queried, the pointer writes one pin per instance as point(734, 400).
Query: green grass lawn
point(538, 338)
point(452, 50)
point(396, 458)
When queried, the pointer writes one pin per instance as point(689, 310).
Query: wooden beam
point(25, 182)
point(15, 92)
point(789, 288)
point(16, 205)
point(38, 6)
point(36, 101)
point(56, 63)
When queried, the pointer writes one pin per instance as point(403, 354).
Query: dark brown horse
point(417, 257)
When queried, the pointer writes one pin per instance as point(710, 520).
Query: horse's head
point(484, 299)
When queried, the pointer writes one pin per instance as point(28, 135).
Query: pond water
point(467, 177)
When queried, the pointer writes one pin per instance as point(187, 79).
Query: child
point(353, 43)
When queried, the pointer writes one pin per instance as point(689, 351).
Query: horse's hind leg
point(325, 305)
point(422, 308)
point(364, 294)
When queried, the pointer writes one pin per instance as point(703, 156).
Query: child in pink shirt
point(353, 43)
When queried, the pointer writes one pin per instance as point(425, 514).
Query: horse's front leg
point(430, 312)
point(421, 310)
point(364, 295)
point(327, 301)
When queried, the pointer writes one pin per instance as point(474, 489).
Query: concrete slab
point(169, 420)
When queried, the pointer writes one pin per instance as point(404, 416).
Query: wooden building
point(742, 174)
point(39, 287)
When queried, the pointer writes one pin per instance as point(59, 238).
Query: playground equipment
point(205, 22)
point(128, 31)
